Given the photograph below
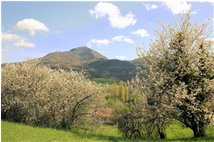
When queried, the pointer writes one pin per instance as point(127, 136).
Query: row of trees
point(177, 83)
point(35, 95)
point(120, 91)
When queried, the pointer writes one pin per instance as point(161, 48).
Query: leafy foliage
point(127, 106)
point(120, 91)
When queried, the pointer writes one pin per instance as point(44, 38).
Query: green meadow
point(14, 132)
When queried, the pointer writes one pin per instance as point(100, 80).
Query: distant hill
point(69, 59)
point(97, 66)
point(116, 69)
point(137, 61)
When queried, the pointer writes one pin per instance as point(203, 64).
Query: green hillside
point(116, 69)
point(138, 62)
point(68, 59)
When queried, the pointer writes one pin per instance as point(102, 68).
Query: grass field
point(13, 132)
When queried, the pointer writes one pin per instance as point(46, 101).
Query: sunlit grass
point(14, 132)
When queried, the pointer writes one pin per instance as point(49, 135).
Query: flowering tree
point(178, 76)
point(34, 94)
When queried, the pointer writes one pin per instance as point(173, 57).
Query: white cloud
point(8, 36)
point(121, 57)
point(20, 41)
point(141, 32)
point(32, 26)
point(150, 6)
point(23, 43)
point(178, 7)
point(112, 12)
point(122, 38)
point(98, 42)
point(104, 42)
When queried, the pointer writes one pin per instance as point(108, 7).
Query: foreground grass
point(13, 132)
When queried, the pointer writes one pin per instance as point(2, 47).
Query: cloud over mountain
point(98, 42)
point(24, 43)
point(122, 38)
point(114, 15)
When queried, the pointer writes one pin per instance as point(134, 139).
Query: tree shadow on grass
point(204, 139)
point(102, 137)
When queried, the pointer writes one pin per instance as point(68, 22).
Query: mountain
point(93, 63)
point(69, 59)
point(116, 69)
point(97, 66)
point(137, 62)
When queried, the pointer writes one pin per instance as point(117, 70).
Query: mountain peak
point(80, 48)
point(74, 57)
point(87, 53)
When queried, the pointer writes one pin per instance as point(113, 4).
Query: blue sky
point(115, 29)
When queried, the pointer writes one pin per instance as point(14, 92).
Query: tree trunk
point(196, 132)
point(199, 131)
point(162, 135)
point(202, 130)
